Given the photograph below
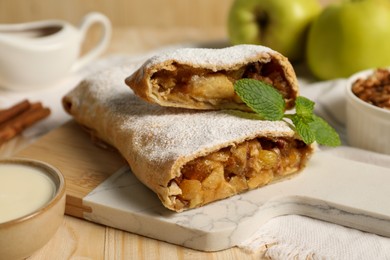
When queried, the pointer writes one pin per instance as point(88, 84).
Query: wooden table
point(80, 239)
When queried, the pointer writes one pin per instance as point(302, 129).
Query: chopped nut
point(375, 89)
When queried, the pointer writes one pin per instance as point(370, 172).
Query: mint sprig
point(264, 100)
point(269, 104)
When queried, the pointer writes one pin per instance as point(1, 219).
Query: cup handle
point(86, 23)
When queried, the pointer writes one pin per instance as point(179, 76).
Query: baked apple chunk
point(236, 169)
point(183, 84)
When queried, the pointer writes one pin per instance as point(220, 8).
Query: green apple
point(348, 37)
point(279, 24)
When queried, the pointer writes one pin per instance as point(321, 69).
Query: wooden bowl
point(22, 233)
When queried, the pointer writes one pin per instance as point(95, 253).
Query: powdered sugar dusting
point(207, 57)
point(159, 134)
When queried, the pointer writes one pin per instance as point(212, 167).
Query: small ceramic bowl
point(21, 233)
point(368, 126)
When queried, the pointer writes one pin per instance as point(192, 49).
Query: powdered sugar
point(159, 134)
point(213, 58)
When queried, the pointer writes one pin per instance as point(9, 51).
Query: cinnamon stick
point(6, 114)
point(17, 124)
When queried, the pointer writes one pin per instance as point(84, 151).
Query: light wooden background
point(124, 13)
point(131, 19)
point(148, 13)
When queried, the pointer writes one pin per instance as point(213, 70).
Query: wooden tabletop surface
point(80, 239)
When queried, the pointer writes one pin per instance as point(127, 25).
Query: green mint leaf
point(261, 98)
point(304, 106)
point(303, 127)
point(269, 104)
point(324, 133)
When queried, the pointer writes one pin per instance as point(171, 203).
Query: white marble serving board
point(337, 190)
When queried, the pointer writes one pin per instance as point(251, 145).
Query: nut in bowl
point(32, 202)
point(368, 110)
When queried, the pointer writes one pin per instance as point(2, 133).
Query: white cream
point(23, 190)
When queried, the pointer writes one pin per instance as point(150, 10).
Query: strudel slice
point(200, 78)
point(188, 158)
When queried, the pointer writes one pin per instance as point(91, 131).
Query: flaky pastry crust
point(179, 152)
point(203, 79)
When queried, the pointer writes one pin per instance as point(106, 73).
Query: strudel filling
point(184, 84)
point(236, 169)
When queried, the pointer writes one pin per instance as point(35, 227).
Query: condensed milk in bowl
point(32, 205)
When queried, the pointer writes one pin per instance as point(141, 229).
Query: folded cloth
point(285, 237)
point(298, 237)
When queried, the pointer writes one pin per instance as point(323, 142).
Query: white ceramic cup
point(368, 126)
point(39, 54)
